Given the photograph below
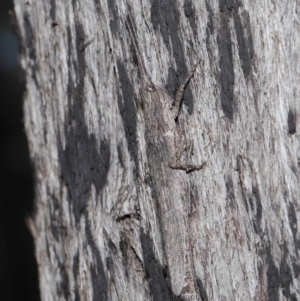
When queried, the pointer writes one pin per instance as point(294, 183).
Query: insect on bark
point(165, 145)
point(161, 112)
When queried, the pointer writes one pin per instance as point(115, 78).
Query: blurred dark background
point(18, 270)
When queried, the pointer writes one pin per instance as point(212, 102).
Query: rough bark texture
point(112, 221)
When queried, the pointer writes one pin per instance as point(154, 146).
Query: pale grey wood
point(104, 227)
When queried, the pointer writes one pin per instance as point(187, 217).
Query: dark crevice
point(127, 108)
point(292, 122)
point(156, 274)
point(99, 281)
point(168, 26)
point(226, 62)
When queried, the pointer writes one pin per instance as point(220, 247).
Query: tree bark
point(112, 221)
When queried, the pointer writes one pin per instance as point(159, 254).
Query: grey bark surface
point(112, 220)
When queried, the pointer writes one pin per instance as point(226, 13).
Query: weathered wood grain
point(109, 224)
